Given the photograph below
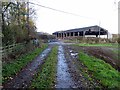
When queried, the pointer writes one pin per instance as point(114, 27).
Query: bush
point(118, 40)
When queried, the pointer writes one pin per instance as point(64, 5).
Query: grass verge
point(101, 71)
point(45, 78)
point(11, 69)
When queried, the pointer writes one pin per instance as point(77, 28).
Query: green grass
point(11, 69)
point(105, 44)
point(103, 72)
point(45, 78)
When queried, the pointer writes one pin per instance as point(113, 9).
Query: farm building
point(85, 31)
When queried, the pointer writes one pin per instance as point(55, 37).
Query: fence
point(5, 51)
point(17, 49)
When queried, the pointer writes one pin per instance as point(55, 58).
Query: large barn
point(85, 31)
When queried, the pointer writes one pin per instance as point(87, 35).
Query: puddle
point(73, 54)
point(63, 76)
point(22, 80)
point(71, 51)
point(60, 43)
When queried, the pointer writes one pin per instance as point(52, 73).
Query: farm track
point(76, 70)
point(64, 79)
point(69, 74)
point(24, 77)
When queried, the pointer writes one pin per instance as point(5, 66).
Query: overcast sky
point(92, 12)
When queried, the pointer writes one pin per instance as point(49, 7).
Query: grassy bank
point(11, 69)
point(101, 71)
point(99, 44)
point(46, 77)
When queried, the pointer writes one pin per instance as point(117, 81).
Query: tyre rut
point(24, 77)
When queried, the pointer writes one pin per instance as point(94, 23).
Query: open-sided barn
point(91, 30)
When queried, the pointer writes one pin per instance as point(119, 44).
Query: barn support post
point(65, 34)
point(57, 35)
point(70, 34)
point(73, 33)
point(84, 36)
point(60, 35)
point(78, 34)
point(83, 33)
point(107, 35)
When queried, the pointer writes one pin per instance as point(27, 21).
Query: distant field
point(105, 44)
point(94, 44)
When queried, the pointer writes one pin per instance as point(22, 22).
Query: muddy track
point(64, 79)
point(69, 68)
point(24, 77)
point(69, 74)
point(74, 68)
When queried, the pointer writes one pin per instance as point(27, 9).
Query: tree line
point(17, 22)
